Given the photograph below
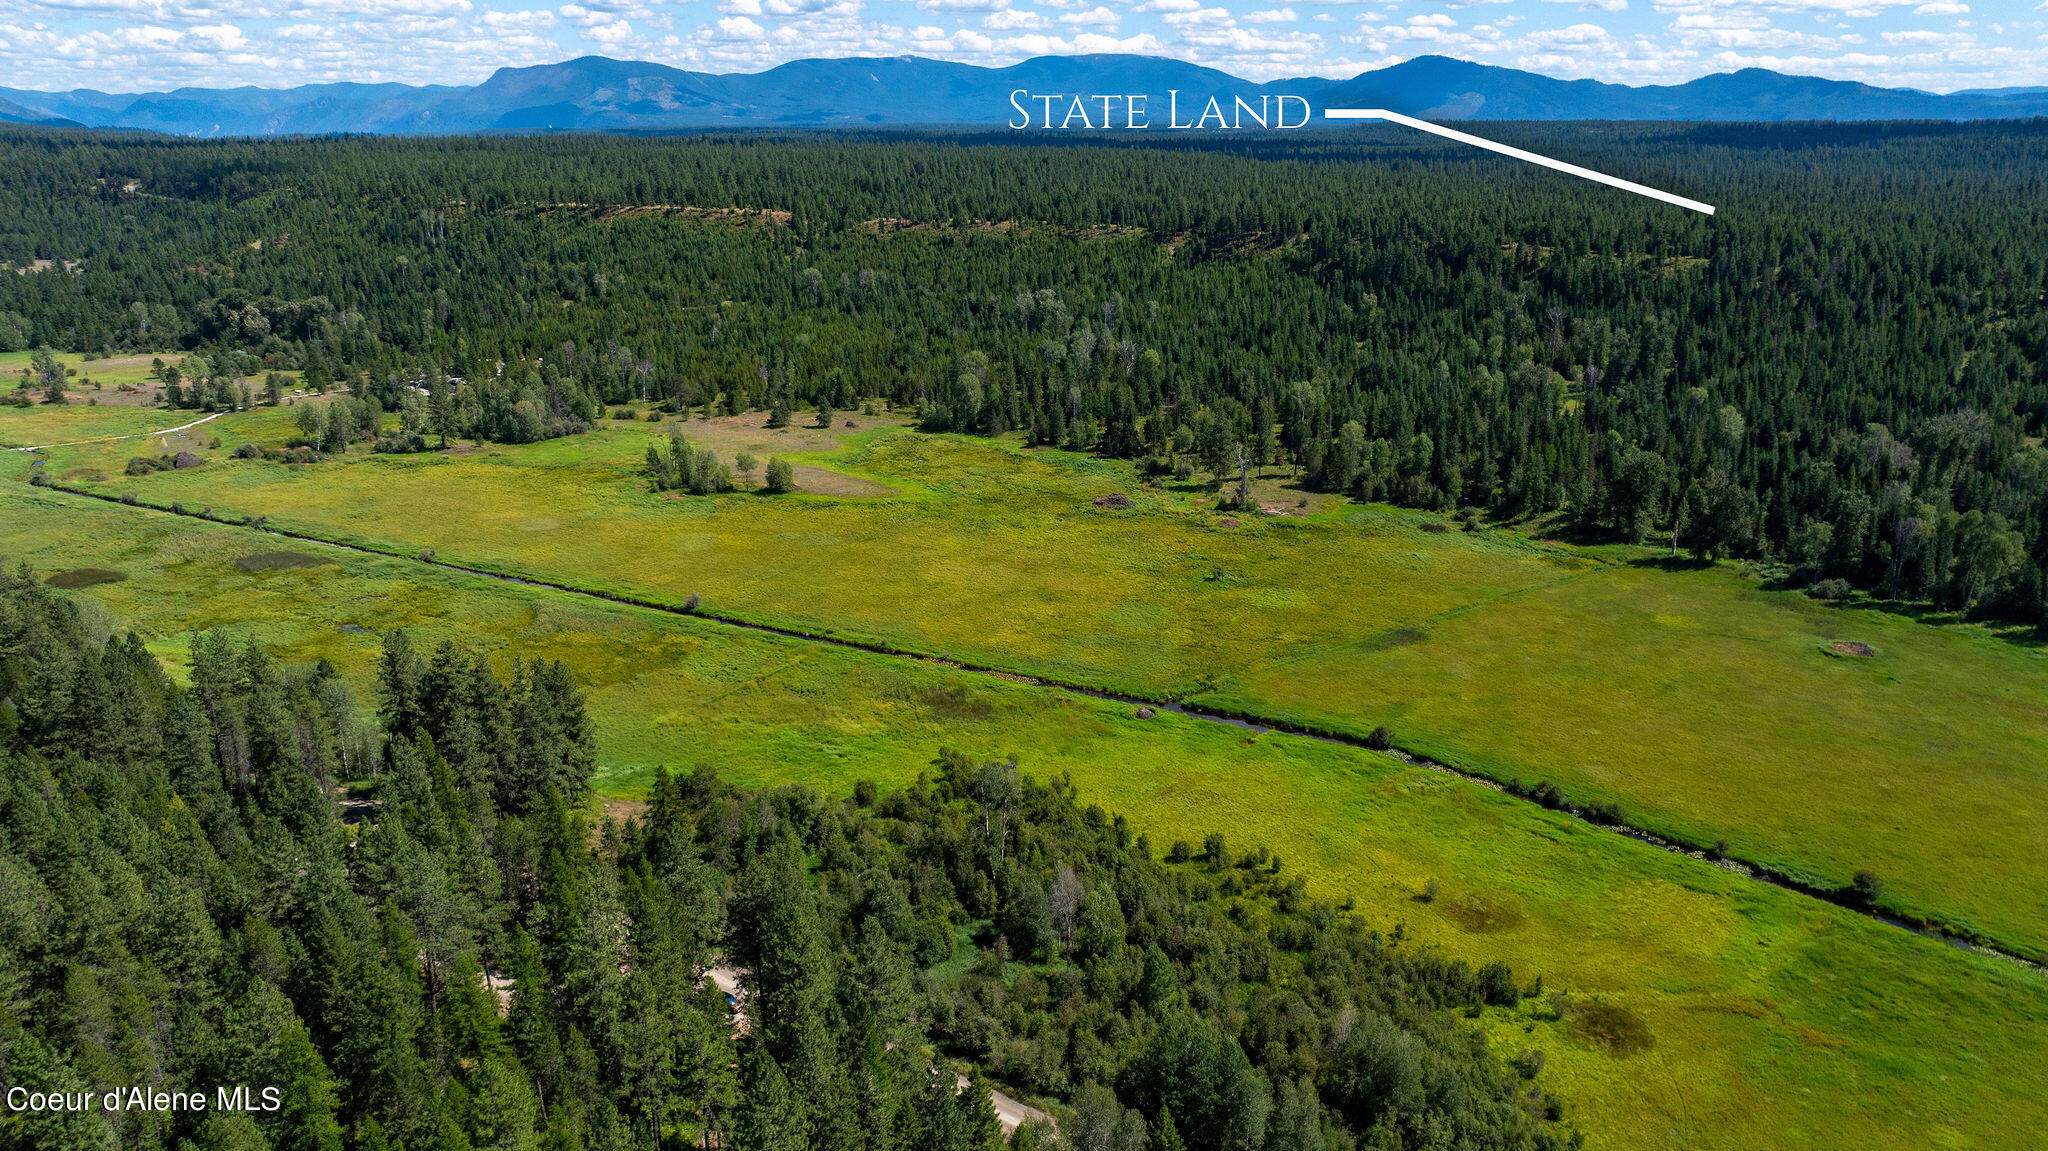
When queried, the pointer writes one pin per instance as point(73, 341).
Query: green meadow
point(1705, 706)
point(1772, 1019)
point(111, 398)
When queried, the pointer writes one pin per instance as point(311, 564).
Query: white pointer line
point(1517, 153)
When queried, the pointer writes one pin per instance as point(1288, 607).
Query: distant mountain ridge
point(596, 93)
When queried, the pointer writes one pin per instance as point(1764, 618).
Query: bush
point(1215, 851)
point(781, 477)
point(1830, 589)
point(1497, 987)
point(248, 452)
point(1604, 812)
point(690, 604)
point(1865, 888)
point(1180, 852)
point(1380, 739)
point(400, 443)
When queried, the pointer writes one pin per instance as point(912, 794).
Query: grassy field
point(1776, 1021)
point(108, 398)
point(1622, 682)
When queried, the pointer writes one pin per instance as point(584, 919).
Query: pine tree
point(978, 1109)
point(768, 1117)
point(1165, 1136)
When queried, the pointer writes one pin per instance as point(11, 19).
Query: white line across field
point(129, 436)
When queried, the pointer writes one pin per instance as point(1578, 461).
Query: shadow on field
point(1671, 563)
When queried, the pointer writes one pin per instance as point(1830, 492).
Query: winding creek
point(1250, 723)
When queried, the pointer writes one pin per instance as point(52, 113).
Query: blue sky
point(133, 45)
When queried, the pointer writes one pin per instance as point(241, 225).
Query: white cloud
point(1098, 16)
point(1200, 18)
point(157, 44)
point(1923, 36)
point(1010, 19)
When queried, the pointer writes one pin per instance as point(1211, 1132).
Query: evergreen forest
point(1838, 374)
point(403, 915)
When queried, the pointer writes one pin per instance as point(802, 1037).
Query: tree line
point(411, 923)
point(1840, 373)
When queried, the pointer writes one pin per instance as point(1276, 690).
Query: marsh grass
point(1776, 1020)
point(1703, 705)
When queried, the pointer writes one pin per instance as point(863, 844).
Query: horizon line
point(1333, 79)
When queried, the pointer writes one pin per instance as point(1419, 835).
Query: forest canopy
point(1840, 372)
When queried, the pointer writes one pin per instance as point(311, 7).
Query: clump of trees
point(683, 467)
point(415, 928)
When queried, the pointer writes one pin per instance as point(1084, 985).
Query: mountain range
point(595, 93)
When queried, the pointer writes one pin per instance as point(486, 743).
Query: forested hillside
point(466, 960)
point(1839, 372)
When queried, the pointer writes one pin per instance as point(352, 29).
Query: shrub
point(1866, 888)
point(1215, 851)
point(690, 604)
point(1829, 589)
point(1497, 986)
point(1180, 852)
point(248, 452)
point(1380, 739)
point(781, 477)
point(1604, 812)
point(400, 443)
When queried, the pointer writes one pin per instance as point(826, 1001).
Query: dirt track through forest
point(1255, 724)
